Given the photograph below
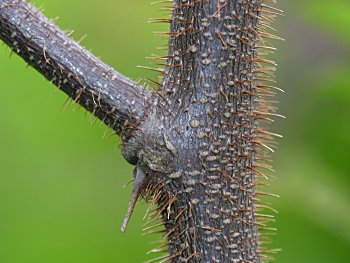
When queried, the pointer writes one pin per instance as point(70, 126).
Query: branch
point(107, 94)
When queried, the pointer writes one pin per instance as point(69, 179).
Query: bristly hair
point(262, 114)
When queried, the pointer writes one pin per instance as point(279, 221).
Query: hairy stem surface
point(107, 94)
point(200, 146)
point(208, 116)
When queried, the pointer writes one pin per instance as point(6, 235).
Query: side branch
point(107, 94)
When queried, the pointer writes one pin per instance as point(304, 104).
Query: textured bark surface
point(110, 96)
point(199, 146)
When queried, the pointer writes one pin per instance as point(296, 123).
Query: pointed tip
point(134, 196)
point(139, 179)
point(123, 227)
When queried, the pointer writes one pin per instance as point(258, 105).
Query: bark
point(201, 144)
point(199, 147)
point(107, 94)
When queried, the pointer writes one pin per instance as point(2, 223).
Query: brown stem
point(110, 96)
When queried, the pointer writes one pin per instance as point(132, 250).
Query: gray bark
point(107, 94)
point(197, 148)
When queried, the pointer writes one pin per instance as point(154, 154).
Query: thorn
point(139, 183)
point(127, 183)
point(82, 38)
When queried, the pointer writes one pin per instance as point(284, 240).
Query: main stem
point(210, 104)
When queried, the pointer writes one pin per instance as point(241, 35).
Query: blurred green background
point(61, 182)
